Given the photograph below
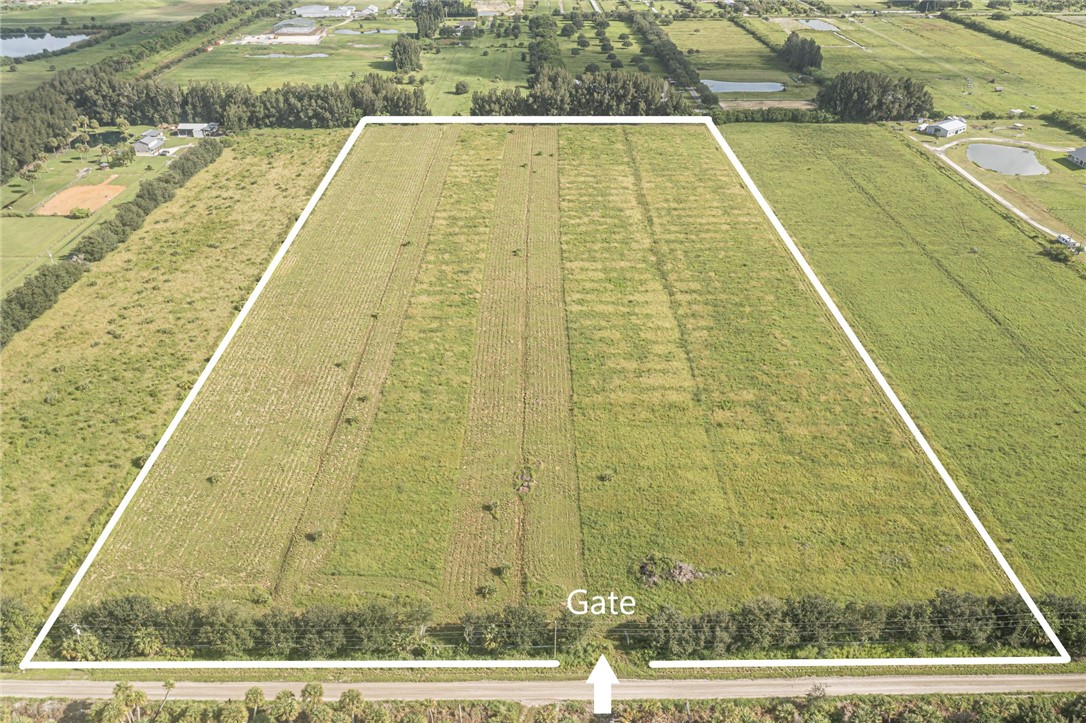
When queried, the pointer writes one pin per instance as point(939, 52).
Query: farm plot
point(539, 362)
point(969, 322)
point(1051, 31)
point(963, 68)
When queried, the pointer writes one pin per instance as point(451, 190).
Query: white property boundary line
point(29, 663)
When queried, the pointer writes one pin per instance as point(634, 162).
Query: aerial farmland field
point(961, 67)
point(971, 324)
point(527, 358)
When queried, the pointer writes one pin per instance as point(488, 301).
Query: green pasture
point(727, 52)
point(1052, 31)
point(974, 328)
point(105, 11)
point(962, 67)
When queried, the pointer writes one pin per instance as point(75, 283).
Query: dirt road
point(542, 692)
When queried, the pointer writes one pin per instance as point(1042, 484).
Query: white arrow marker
point(601, 680)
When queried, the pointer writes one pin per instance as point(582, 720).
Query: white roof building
point(369, 10)
point(197, 130)
point(951, 126)
point(323, 11)
point(1078, 157)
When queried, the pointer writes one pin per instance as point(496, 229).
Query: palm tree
point(285, 708)
point(254, 698)
point(351, 703)
point(312, 693)
point(28, 175)
point(43, 159)
point(167, 685)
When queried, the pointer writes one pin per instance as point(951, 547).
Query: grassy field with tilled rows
point(534, 359)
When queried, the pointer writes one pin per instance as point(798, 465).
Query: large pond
point(820, 25)
point(727, 86)
point(1005, 159)
point(19, 46)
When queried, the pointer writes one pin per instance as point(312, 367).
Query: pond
point(727, 86)
point(347, 31)
point(820, 25)
point(383, 31)
point(20, 46)
point(287, 55)
point(1005, 159)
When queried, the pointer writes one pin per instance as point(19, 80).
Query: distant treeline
point(677, 65)
point(769, 624)
point(801, 53)
point(771, 115)
point(1075, 58)
point(135, 627)
point(866, 96)
point(41, 290)
point(553, 91)
point(96, 33)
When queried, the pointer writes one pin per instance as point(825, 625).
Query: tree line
point(948, 618)
point(771, 115)
point(678, 66)
point(543, 50)
point(1071, 57)
point(867, 96)
point(554, 91)
point(1074, 123)
point(801, 53)
point(136, 627)
point(41, 290)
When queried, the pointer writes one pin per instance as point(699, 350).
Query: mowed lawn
point(956, 63)
point(545, 356)
point(973, 327)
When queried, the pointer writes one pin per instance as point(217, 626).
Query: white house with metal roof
point(1078, 157)
point(950, 126)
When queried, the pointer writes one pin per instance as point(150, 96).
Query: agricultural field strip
point(28, 661)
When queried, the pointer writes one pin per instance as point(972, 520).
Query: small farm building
point(294, 27)
point(951, 126)
point(323, 11)
point(369, 11)
point(197, 130)
point(149, 142)
point(1078, 157)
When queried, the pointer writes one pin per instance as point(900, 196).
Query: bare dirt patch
point(88, 197)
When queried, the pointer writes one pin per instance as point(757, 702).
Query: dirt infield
point(89, 197)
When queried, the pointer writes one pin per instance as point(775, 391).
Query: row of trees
point(135, 627)
point(801, 53)
point(867, 96)
point(39, 292)
point(678, 66)
point(543, 50)
point(771, 115)
point(948, 618)
point(1071, 57)
point(553, 91)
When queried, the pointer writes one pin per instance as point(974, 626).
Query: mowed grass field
point(540, 359)
point(955, 62)
point(727, 52)
point(107, 11)
point(1052, 31)
point(972, 326)
point(90, 386)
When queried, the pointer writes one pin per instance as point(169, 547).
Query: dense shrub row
point(40, 291)
point(771, 115)
point(1068, 121)
point(1071, 57)
point(677, 65)
point(543, 50)
point(135, 627)
point(948, 618)
point(553, 91)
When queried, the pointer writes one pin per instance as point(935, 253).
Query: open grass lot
point(91, 385)
point(972, 326)
point(549, 308)
point(25, 243)
point(106, 11)
point(727, 52)
point(359, 54)
point(955, 62)
point(1050, 30)
point(576, 64)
